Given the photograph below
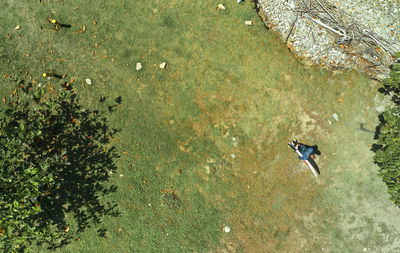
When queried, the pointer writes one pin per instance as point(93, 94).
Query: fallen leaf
point(120, 229)
point(84, 28)
point(340, 100)
point(17, 27)
point(4, 100)
point(290, 47)
point(67, 229)
point(94, 22)
point(105, 56)
point(76, 7)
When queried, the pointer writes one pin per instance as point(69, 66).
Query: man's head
point(316, 151)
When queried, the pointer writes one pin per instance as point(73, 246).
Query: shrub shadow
point(76, 199)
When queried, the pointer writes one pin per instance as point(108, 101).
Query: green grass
point(223, 80)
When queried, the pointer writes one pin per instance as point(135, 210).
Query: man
point(307, 151)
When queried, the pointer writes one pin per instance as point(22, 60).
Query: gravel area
point(357, 34)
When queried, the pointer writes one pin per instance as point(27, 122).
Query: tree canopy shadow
point(81, 139)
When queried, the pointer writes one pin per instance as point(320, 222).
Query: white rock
point(138, 66)
point(227, 229)
point(249, 22)
point(335, 116)
point(221, 7)
point(88, 81)
point(163, 65)
point(380, 108)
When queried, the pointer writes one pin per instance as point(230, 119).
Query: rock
point(138, 66)
point(380, 108)
point(88, 81)
point(382, 76)
point(17, 27)
point(335, 116)
point(163, 65)
point(221, 7)
point(250, 23)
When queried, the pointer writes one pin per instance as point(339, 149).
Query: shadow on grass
point(75, 199)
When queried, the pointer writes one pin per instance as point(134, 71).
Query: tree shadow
point(82, 137)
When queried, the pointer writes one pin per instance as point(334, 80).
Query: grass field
point(203, 143)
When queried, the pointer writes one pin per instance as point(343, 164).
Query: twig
point(366, 32)
point(291, 29)
point(326, 11)
point(327, 27)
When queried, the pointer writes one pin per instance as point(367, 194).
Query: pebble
point(335, 116)
point(163, 65)
point(221, 7)
point(138, 66)
point(88, 81)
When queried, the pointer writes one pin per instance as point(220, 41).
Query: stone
point(138, 66)
point(221, 7)
point(163, 65)
point(249, 23)
point(88, 81)
point(335, 116)
point(380, 108)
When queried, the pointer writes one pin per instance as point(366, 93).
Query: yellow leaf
point(17, 27)
point(67, 229)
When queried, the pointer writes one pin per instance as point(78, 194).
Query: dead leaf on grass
point(120, 229)
point(76, 7)
point(67, 229)
point(17, 27)
point(84, 28)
